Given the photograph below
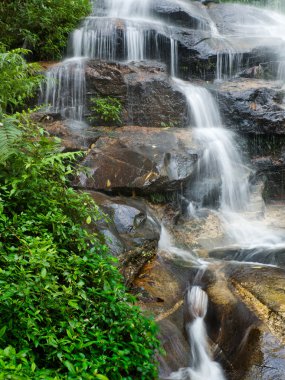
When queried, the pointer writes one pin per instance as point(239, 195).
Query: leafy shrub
point(107, 109)
point(40, 25)
point(64, 311)
point(18, 79)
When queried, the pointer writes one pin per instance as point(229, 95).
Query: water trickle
point(173, 57)
point(228, 63)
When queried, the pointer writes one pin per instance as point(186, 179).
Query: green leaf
point(2, 331)
point(73, 304)
point(70, 367)
point(43, 273)
point(101, 377)
point(88, 220)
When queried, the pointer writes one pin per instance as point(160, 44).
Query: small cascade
point(64, 92)
point(121, 33)
point(97, 38)
point(166, 244)
point(202, 366)
point(221, 166)
point(222, 179)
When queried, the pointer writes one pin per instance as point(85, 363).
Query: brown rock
point(139, 159)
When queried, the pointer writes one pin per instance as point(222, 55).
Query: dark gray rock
point(145, 92)
point(190, 15)
point(252, 106)
point(273, 170)
point(265, 255)
point(130, 225)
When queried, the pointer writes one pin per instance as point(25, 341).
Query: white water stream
point(202, 366)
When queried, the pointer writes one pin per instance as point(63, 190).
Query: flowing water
point(130, 30)
point(202, 366)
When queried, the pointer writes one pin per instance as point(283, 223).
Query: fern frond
point(9, 133)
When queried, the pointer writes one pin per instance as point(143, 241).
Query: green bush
point(42, 26)
point(64, 311)
point(107, 110)
point(18, 81)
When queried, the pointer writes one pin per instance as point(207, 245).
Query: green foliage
point(107, 109)
point(9, 133)
point(18, 79)
point(169, 124)
point(40, 25)
point(65, 313)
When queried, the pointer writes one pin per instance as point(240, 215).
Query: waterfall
point(221, 170)
point(129, 30)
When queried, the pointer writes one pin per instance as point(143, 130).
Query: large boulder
point(141, 160)
point(145, 92)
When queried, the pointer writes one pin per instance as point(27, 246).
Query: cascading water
point(65, 89)
point(221, 170)
point(221, 164)
point(131, 31)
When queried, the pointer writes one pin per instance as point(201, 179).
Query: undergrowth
point(65, 313)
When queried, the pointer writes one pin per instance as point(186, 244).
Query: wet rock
point(274, 171)
point(176, 348)
point(265, 255)
point(131, 225)
point(145, 92)
point(132, 262)
point(187, 15)
point(145, 160)
point(74, 135)
point(165, 301)
point(252, 106)
point(245, 320)
point(261, 288)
